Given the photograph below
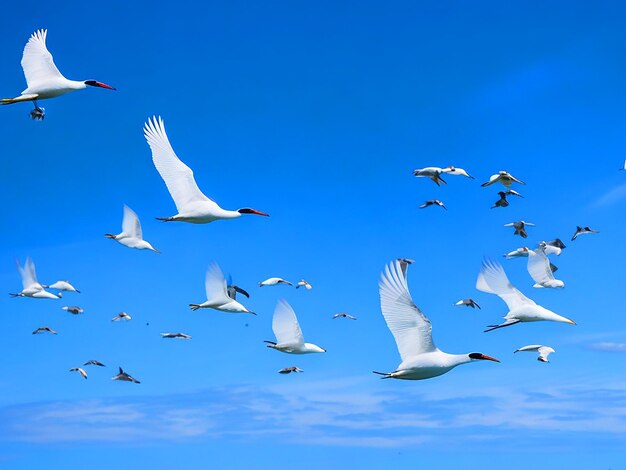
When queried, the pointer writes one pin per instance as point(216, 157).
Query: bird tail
point(165, 219)
point(270, 344)
point(18, 99)
point(194, 307)
point(108, 235)
point(14, 295)
point(501, 325)
point(385, 375)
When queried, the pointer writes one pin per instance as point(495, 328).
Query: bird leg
point(37, 113)
point(501, 325)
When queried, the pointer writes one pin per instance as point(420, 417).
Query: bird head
point(247, 210)
point(98, 84)
point(481, 357)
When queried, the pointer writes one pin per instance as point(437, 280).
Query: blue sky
point(316, 114)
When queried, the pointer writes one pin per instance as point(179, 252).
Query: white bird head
point(481, 357)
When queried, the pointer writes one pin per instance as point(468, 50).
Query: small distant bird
point(520, 227)
point(63, 286)
point(502, 202)
point(43, 79)
point(273, 281)
point(305, 284)
point(289, 370)
point(44, 329)
point(344, 315)
point(74, 310)
point(544, 351)
point(623, 166)
point(175, 335)
point(493, 280)
point(432, 172)
point(451, 170)
point(582, 231)
point(432, 202)
point(503, 178)
point(30, 286)
point(93, 362)
point(289, 338)
point(553, 247)
point(122, 316)
point(80, 371)
point(512, 192)
point(412, 330)
point(518, 253)
point(217, 293)
point(131, 235)
point(468, 303)
point(125, 377)
point(192, 205)
point(540, 270)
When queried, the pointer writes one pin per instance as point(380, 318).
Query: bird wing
point(29, 277)
point(544, 351)
point(37, 61)
point(530, 347)
point(492, 279)
point(539, 266)
point(178, 177)
point(130, 224)
point(285, 324)
point(411, 329)
point(215, 285)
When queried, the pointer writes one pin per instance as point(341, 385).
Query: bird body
point(274, 281)
point(289, 370)
point(74, 310)
point(217, 293)
point(123, 376)
point(44, 329)
point(192, 205)
point(468, 303)
point(93, 362)
point(503, 178)
point(553, 247)
point(412, 330)
point(63, 286)
point(520, 227)
point(544, 351)
point(540, 270)
point(289, 338)
point(583, 231)
point(344, 315)
point(131, 235)
point(81, 371)
point(305, 284)
point(518, 253)
point(432, 172)
point(43, 79)
point(175, 335)
point(502, 202)
point(432, 202)
point(493, 280)
point(122, 316)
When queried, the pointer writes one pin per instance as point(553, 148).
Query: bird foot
point(38, 113)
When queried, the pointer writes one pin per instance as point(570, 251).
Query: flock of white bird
point(412, 330)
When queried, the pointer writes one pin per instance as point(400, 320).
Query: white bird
point(44, 329)
point(468, 303)
point(74, 310)
point(583, 231)
point(518, 253)
point(125, 377)
point(492, 279)
point(288, 334)
point(175, 335)
point(273, 281)
point(432, 172)
point(520, 227)
point(217, 293)
point(305, 284)
point(131, 235)
point(544, 351)
point(43, 79)
point(289, 370)
point(30, 286)
point(540, 270)
point(432, 202)
point(623, 166)
point(553, 247)
point(122, 316)
point(344, 315)
point(412, 330)
point(192, 205)
point(93, 362)
point(63, 286)
point(452, 170)
point(503, 178)
point(80, 371)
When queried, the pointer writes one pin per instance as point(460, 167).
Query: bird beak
point(252, 211)
point(571, 321)
point(488, 358)
point(104, 85)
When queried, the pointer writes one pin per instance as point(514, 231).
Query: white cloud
point(611, 196)
point(608, 346)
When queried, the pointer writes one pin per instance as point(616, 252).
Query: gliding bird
point(540, 270)
point(217, 293)
point(432, 202)
point(131, 235)
point(43, 79)
point(432, 172)
point(289, 338)
point(30, 286)
point(520, 227)
point(544, 351)
point(583, 231)
point(274, 281)
point(63, 286)
point(451, 170)
point(192, 205)
point(503, 178)
point(492, 279)
point(468, 303)
point(412, 330)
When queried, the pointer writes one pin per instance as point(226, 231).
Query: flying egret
point(131, 235)
point(217, 293)
point(432, 172)
point(503, 178)
point(544, 351)
point(30, 286)
point(540, 270)
point(305, 284)
point(43, 79)
point(288, 334)
point(192, 205)
point(412, 330)
point(274, 281)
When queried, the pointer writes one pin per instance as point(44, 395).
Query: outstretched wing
point(411, 329)
point(178, 177)
point(37, 61)
point(492, 279)
point(215, 285)
point(285, 324)
point(130, 224)
point(539, 266)
point(29, 277)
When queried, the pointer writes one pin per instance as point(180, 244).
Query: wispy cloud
point(612, 196)
point(331, 413)
point(608, 346)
